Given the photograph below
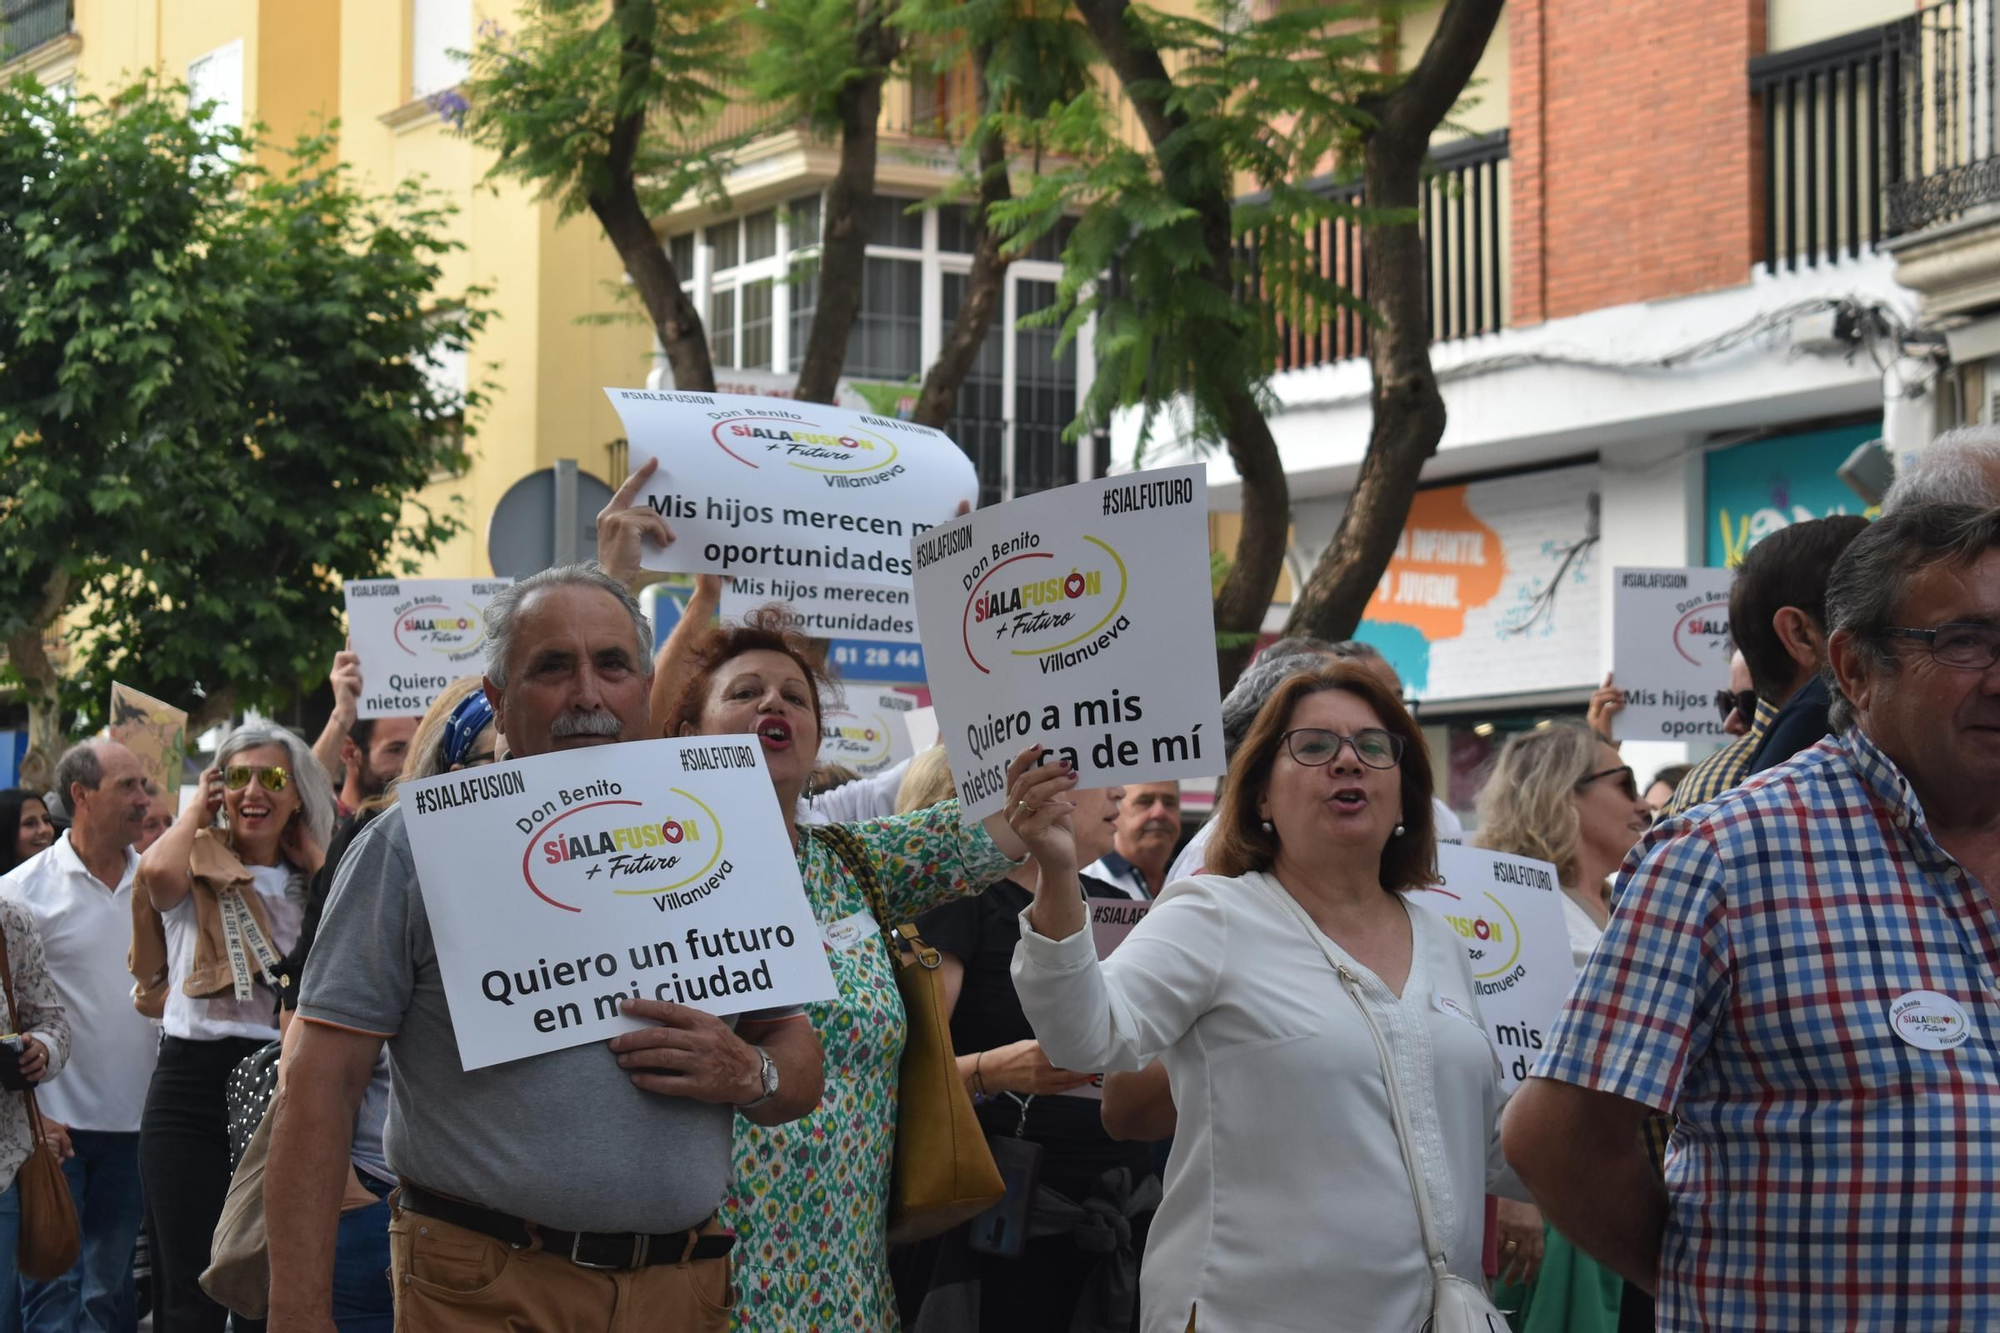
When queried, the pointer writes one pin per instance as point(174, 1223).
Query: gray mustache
point(586, 724)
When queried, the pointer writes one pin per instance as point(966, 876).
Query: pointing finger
point(623, 499)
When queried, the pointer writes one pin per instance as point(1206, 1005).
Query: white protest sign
point(557, 886)
point(1509, 912)
point(869, 733)
point(827, 610)
point(1077, 618)
point(414, 637)
point(758, 486)
point(1670, 652)
point(1111, 920)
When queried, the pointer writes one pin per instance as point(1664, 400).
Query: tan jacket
point(212, 870)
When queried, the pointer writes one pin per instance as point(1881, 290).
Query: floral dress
point(41, 1016)
point(810, 1199)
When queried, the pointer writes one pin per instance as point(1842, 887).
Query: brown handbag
point(50, 1239)
point(944, 1172)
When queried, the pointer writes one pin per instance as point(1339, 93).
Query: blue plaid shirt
point(1826, 1172)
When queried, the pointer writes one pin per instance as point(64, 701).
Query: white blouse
point(1287, 1205)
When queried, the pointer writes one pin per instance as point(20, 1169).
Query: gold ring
point(1023, 805)
point(1511, 1246)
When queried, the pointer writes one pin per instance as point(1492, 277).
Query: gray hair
point(500, 613)
point(1957, 468)
point(1874, 572)
point(1299, 645)
point(1259, 681)
point(314, 787)
point(79, 764)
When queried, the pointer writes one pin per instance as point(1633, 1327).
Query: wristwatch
point(767, 1074)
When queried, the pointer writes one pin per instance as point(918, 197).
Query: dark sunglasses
point(1736, 701)
point(273, 778)
point(1627, 784)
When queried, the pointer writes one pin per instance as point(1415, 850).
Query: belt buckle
point(638, 1260)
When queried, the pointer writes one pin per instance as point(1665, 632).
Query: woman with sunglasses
point(229, 882)
point(1561, 794)
point(1296, 998)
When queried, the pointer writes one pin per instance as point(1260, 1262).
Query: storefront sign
point(1076, 619)
point(560, 885)
point(1759, 488)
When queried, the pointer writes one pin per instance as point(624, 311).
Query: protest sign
point(923, 725)
point(868, 733)
point(871, 633)
point(759, 487)
point(559, 885)
point(1076, 618)
point(1509, 912)
point(153, 731)
point(1670, 652)
point(414, 637)
point(1111, 920)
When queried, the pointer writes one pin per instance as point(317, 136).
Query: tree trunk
point(843, 249)
point(1409, 414)
point(1195, 176)
point(41, 686)
point(986, 282)
point(676, 322)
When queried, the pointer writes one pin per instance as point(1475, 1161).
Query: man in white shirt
point(80, 893)
point(1149, 824)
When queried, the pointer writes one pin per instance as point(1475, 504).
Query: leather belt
point(585, 1249)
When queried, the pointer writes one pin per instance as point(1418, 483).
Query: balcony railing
point(27, 24)
point(1941, 135)
point(1878, 133)
point(1826, 158)
point(1462, 215)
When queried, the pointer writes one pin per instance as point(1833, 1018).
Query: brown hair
point(769, 629)
point(1240, 845)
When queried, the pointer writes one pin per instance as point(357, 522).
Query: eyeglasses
point(1626, 782)
point(273, 778)
point(1967, 647)
point(1316, 747)
point(1736, 701)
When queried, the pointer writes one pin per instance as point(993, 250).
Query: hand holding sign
point(688, 1054)
point(624, 525)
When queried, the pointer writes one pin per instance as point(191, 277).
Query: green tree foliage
point(219, 395)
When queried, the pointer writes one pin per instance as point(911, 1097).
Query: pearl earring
point(1265, 825)
point(1399, 831)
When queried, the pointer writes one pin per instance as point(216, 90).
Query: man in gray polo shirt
point(560, 1192)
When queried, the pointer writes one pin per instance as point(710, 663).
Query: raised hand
point(624, 524)
point(1040, 811)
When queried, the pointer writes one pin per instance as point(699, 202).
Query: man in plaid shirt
point(1807, 972)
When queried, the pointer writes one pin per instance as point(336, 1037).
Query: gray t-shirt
point(563, 1139)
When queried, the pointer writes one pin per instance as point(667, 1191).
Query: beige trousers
point(450, 1280)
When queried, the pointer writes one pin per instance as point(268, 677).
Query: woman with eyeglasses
point(1561, 794)
point(1296, 997)
point(229, 881)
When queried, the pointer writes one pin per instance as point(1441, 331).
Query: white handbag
point(1457, 1306)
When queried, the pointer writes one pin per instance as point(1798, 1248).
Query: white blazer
point(1287, 1205)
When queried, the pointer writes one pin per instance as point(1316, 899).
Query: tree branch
point(1408, 410)
point(984, 285)
point(1194, 175)
point(844, 250)
point(619, 211)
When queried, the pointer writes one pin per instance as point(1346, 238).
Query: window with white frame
point(216, 81)
point(440, 34)
point(755, 279)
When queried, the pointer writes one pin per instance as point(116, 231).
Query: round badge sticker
point(1928, 1020)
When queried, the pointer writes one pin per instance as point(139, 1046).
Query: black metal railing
point(1462, 215)
point(1826, 152)
point(27, 24)
point(1939, 123)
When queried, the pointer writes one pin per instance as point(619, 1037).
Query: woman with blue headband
point(456, 733)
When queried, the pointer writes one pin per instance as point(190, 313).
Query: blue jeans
point(10, 1237)
point(363, 1300)
point(95, 1296)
